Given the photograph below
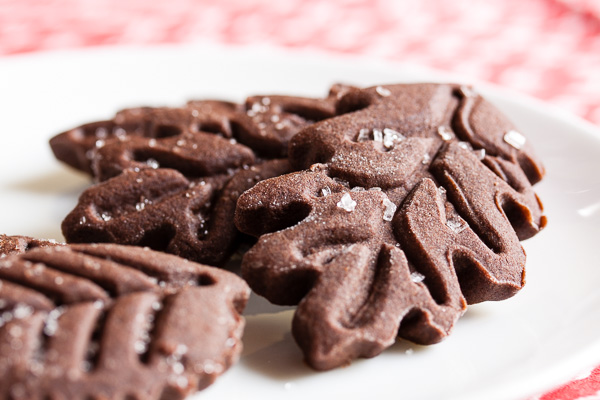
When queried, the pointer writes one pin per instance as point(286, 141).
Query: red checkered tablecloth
point(549, 49)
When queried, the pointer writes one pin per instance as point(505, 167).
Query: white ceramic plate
point(548, 333)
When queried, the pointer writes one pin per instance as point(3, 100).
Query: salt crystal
point(180, 142)
point(105, 217)
point(274, 118)
point(99, 143)
point(389, 211)
point(22, 311)
point(376, 189)
point(457, 225)
point(140, 347)
point(180, 350)
point(465, 145)
point(140, 206)
point(232, 141)
point(209, 367)
point(101, 133)
point(417, 277)
point(15, 331)
point(480, 154)
point(51, 323)
point(515, 139)
point(152, 163)
point(120, 133)
point(357, 189)
point(326, 191)
point(82, 220)
point(426, 158)
point(59, 280)
point(377, 135)
point(152, 142)
point(383, 92)
point(266, 101)
point(363, 135)
point(86, 366)
point(445, 133)
point(391, 136)
point(182, 381)
point(347, 203)
point(442, 190)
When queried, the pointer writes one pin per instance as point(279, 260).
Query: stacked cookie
point(379, 212)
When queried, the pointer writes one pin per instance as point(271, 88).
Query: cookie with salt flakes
point(412, 204)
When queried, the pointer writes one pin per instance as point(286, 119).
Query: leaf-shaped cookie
point(397, 224)
point(119, 322)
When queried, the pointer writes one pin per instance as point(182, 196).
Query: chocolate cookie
point(10, 245)
point(200, 139)
point(177, 172)
point(413, 204)
point(118, 322)
point(164, 210)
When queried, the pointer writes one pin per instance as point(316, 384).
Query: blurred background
point(549, 49)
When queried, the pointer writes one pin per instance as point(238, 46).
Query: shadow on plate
point(61, 181)
point(270, 349)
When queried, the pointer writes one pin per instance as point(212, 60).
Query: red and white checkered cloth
point(549, 49)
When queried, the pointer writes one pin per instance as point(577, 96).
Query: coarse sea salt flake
point(456, 225)
point(347, 203)
point(105, 217)
point(22, 311)
point(389, 211)
point(363, 135)
point(465, 145)
point(391, 136)
point(417, 277)
point(378, 135)
point(445, 132)
point(383, 92)
point(326, 191)
point(515, 139)
point(152, 163)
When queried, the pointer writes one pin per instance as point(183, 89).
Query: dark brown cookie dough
point(413, 204)
point(164, 210)
point(114, 322)
point(16, 244)
point(204, 137)
point(177, 172)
